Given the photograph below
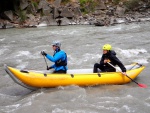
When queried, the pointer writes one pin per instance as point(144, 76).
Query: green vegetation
point(66, 1)
point(34, 3)
point(22, 15)
point(87, 6)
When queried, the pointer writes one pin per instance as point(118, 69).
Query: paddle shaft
point(45, 61)
point(122, 72)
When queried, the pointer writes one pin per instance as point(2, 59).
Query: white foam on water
point(136, 55)
point(83, 60)
point(133, 27)
point(141, 61)
point(44, 24)
point(72, 60)
point(58, 110)
point(2, 39)
point(22, 65)
point(41, 46)
point(132, 52)
point(3, 50)
point(10, 108)
point(3, 97)
point(19, 61)
point(23, 53)
point(35, 55)
point(25, 102)
point(129, 96)
point(28, 54)
point(127, 108)
point(73, 32)
point(87, 57)
point(147, 103)
point(120, 20)
point(116, 28)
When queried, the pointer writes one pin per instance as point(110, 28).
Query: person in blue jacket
point(108, 56)
point(59, 58)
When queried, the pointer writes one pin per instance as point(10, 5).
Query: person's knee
point(96, 65)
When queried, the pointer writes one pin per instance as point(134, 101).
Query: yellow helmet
point(107, 47)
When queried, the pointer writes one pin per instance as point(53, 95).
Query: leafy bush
point(22, 15)
point(87, 5)
point(35, 4)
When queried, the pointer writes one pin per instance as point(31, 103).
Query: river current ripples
point(21, 49)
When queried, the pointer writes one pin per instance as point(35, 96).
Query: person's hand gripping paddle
point(140, 85)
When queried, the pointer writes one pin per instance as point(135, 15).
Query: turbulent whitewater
point(20, 48)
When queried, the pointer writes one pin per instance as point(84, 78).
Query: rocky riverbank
point(44, 13)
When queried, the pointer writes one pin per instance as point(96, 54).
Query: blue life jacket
point(60, 60)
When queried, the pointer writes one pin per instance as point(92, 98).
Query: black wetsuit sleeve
point(118, 62)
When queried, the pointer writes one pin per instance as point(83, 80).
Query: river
point(20, 48)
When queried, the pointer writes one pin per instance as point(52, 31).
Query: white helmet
point(56, 43)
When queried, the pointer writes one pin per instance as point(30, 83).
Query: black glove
point(43, 53)
point(49, 68)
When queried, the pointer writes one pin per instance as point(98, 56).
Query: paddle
point(45, 61)
point(140, 85)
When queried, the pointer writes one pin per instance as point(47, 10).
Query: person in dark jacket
point(59, 58)
point(108, 56)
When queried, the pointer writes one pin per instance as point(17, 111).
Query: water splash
point(132, 52)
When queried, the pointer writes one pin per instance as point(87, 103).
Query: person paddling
point(59, 58)
point(109, 55)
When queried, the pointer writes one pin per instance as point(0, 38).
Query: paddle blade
point(142, 85)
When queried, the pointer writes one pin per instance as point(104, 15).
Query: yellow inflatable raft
point(82, 77)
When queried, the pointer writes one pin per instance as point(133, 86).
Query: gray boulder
point(120, 11)
point(56, 3)
point(48, 20)
point(9, 15)
point(66, 13)
point(23, 4)
point(64, 21)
